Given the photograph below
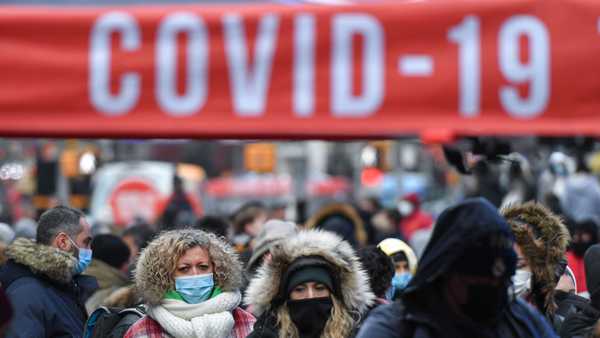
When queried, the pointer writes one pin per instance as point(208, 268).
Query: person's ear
point(62, 242)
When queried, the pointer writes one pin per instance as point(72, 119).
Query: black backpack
point(107, 322)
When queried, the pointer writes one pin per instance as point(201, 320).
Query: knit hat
point(393, 246)
point(309, 274)
point(308, 269)
point(273, 232)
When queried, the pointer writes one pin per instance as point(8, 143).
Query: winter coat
point(154, 277)
point(47, 300)
point(264, 294)
point(576, 264)
point(423, 313)
point(341, 219)
point(417, 220)
point(580, 322)
point(110, 280)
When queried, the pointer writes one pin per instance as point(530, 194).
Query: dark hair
point(58, 219)
point(141, 233)
point(379, 267)
point(216, 225)
point(247, 213)
point(110, 249)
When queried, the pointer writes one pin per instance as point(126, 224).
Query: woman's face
point(401, 267)
point(309, 290)
point(195, 261)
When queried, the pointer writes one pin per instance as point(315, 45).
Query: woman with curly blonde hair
point(189, 281)
point(313, 286)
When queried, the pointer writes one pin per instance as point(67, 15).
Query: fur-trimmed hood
point(354, 283)
point(43, 260)
point(156, 265)
point(543, 238)
point(344, 211)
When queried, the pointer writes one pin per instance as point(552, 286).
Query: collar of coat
point(43, 260)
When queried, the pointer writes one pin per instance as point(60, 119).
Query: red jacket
point(576, 264)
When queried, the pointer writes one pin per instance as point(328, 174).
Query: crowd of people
point(478, 269)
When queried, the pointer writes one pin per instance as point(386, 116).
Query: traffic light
point(260, 157)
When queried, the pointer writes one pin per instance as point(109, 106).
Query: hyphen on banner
point(303, 71)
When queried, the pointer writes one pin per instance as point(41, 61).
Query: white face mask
point(521, 282)
point(405, 208)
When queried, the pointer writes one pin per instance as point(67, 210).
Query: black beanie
point(110, 249)
point(592, 273)
point(307, 269)
point(317, 274)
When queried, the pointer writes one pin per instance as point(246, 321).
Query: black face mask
point(579, 248)
point(485, 302)
point(310, 315)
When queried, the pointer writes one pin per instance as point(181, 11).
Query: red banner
point(259, 71)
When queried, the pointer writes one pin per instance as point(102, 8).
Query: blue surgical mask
point(399, 282)
point(85, 258)
point(195, 289)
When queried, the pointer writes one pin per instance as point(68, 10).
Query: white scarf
point(209, 319)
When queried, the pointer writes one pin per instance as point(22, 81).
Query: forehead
point(195, 254)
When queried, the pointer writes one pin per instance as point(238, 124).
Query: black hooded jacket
point(422, 312)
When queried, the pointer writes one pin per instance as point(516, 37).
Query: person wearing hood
point(541, 245)
point(583, 322)
point(341, 219)
point(413, 217)
point(461, 286)
point(405, 265)
point(584, 234)
point(313, 286)
point(189, 281)
point(43, 279)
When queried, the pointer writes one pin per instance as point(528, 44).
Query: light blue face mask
point(195, 289)
point(399, 282)
point(85, 258)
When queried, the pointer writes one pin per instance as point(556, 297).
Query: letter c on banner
point(343, 102)
point(99, 64)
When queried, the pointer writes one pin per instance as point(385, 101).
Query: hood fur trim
point(354, 282)
point(545, 248)
point(344, 210)
point(156, 265)
point(43, 259)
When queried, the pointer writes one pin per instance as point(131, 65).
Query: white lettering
point(304, 65)
point(166, 64)
point(99, 64)
point(343, 102)
point(250, 83)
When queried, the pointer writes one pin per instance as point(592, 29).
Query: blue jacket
point(47, 300)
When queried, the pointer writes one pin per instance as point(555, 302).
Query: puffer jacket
point(47, 300)
point(264, 295)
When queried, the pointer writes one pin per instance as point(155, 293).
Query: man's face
point(82, 240)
